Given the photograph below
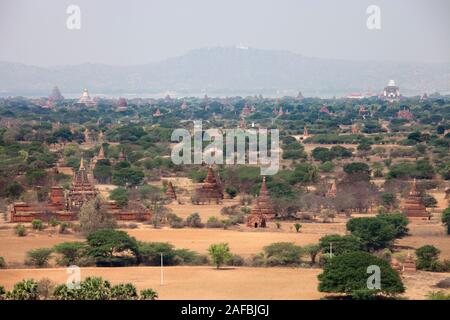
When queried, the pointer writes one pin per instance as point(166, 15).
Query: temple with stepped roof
point(170, 192)
point(56, 95)
point(210, 191)
point(122, 105)
point(82, 188)
point(263, 210)
point(413, 206)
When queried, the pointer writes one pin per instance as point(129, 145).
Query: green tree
point(399, 221)
point(39, 257)
point(312, 250)
point(194, 221)
point(220, 253)
point(37, 224)
point(347, 274)
point(120, 196)
point(71, 252)
point(112, 247)
point(339, 244)
point(282, 253)
point(427, 257)
point(373, 232)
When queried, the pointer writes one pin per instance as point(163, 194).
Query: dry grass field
point(209, 283)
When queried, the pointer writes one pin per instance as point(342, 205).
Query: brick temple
point(64, 205)
point(413, 206)
point(210, 191)
point(263, 210)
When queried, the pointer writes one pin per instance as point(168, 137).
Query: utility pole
point(162, 272)
point(331, 250)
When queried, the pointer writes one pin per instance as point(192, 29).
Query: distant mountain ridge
point(228, 70)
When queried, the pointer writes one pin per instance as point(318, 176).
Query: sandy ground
point(208, 283)
point(195, 282)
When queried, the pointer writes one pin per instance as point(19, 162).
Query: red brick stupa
point(210, 190)
point(414, 207)
point(170, 192)
point(263, 210)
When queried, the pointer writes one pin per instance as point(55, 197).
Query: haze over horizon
point(142, 32)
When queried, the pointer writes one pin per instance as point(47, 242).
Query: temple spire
point(82, 164)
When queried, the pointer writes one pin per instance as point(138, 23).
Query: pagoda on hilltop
point(170, 192)
point(210, 190)
point(263, 210)
point(82, 188)
point(86, 99)
point(413, 206)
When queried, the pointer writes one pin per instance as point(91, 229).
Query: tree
point(339, 244)
point(220, 253)
point(120, 196)
point(348, 274)
point(357, 171)
point(71, 252)
point(39, 257)
point(398, 221)
point(389, 199)
point(103, 171)
point(297, 227)
point(24, 290)
point(37, 224)
point(374, 233)
point(282, 253)
point(312, 250)
point(112, 247)
point(427, 257)
point(94, 216)
point(446, 219)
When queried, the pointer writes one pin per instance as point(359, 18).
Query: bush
point(438, 295)
point(63, 227)
point(38, 257)
point(347, 274)
point(45, 288)
point(220, 253)
point(125, 291)
point(2, 263)
point(20, 230)
point(24, 290)
point(297, 227)
point(150, 253)
point(236, 261)
point(53, 222)
point(148, 294)
point(213, 222)
point(37, 224)
point(120, 196)
point(175, 221)
point(282, 253)
point(428, 258)
point(194, 221)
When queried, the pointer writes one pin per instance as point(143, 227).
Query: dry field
point(209, 283)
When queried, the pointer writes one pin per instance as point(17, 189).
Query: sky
point(132, 32)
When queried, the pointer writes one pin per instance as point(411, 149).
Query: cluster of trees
point(92, 288)
point(113, 248)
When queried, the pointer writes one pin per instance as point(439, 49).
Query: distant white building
point(86, 99)
point(391, 92)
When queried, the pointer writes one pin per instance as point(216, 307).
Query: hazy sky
point(140, 31)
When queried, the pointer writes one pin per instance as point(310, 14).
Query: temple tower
point(263, 210)
point(414, 207)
